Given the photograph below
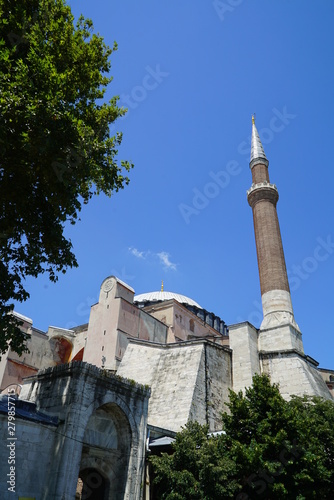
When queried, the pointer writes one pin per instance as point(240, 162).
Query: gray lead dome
point(161, 296)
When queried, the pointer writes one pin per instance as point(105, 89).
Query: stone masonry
point(90, 404)
point(188, 380)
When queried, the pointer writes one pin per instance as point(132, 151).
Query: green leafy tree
point(271, 449)
point(56, 148)
point(283, 449)
point(197, 469)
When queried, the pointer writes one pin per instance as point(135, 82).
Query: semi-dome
point(161, 296)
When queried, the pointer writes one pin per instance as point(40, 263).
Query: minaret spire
point(263, 197)
point(257, 151)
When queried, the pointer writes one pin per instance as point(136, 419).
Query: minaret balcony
point(262, 191)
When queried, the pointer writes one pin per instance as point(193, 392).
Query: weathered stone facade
point(188, 380)
point(295, 373)
point(245, 354)
point(99, 437)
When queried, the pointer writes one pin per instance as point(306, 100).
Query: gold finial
point(253, 119)
point(162, 285)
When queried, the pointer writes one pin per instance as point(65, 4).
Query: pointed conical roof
point(257, 152)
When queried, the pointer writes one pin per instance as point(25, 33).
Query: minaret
point(263, 197)
point(276, 349)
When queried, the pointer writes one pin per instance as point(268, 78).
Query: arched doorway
point(92, 485)
point(105, 454)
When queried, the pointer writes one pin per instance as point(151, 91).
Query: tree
point(283, 449)
point(198, 468)
point(271, 449)
point(56, 149)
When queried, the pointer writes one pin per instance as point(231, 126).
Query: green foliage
point(56, 150)
point(198, 468)
point(283, 449)
point(271, 449)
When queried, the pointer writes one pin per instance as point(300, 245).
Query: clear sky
point(191, 74)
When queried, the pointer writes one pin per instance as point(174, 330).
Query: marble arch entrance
point(105, 455)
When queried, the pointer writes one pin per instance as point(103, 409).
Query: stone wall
point(212, 385)
point(82, 396)
point(184, 324)
point(14, 367)
point(328, 377)
point(245, 355)
point(278, 352)
point(189, 380)
point(295, 373)
point(34, 450)
point(112, 321)
point(45, 350)
point(281, 338)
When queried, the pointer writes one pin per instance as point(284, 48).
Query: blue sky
point(191, 74)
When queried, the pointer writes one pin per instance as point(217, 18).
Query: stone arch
point(61, 349)
point(106, 452)
point(113, 398)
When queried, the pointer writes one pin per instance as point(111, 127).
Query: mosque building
point(93, 401)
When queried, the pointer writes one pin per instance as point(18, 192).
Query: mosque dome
point(161, 296)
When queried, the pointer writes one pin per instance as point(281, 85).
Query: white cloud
point(137, 253)
point(164, 259)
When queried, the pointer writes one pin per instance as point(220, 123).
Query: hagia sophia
point(93, 401)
